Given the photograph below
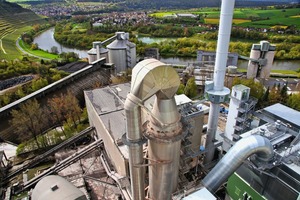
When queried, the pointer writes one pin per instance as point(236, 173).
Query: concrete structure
point(216, 93)
point(240, 108)
point(55, 187)
point(261, 60)
point(97, 52)
point(121, 52)
point(106, 112)
point(204, 56)
point(280, 179)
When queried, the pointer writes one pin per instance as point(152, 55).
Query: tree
point(274, 96)
point(191, 88)
point(73, 110)
point(34, 46)
point(293, 101)
point(54, 49)
point(64, 108)
point(283, 93)
point(256, 88)
point(180, 89)
point(30, 118)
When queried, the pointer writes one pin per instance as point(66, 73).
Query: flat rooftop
point(108, 103)
point(284, 113)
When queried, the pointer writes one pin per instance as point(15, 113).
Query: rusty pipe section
point(254, 144)
point(149, 77)
point(164, 132)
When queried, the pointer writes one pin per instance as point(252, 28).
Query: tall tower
point(240, 109)
point(261, 60)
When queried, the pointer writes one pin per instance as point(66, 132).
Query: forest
point(190, 39)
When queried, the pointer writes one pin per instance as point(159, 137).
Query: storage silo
point(97, 52)
point(55, 187)
point(121, 52)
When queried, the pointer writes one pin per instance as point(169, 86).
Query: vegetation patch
point(296, 16)
point(279, 27)
point(32, 172)
point(162, 14)
point(37, 52)
point(240, 21)
point(211, 20)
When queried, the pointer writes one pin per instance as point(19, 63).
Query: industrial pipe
point(149, 77)
point(164, 132)
point(254, 144)
point(219, 92)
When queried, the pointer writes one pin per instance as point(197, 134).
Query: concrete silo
point(97, 52)
point(261, 60)
point(55, 187)
point(121, 52)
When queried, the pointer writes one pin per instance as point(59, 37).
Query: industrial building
point(280, 179)
point(120, 52)
point(158, 146)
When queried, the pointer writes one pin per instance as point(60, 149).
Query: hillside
point(13, 21)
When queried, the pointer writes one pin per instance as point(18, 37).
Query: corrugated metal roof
point(285, 113)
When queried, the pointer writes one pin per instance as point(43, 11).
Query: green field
point(257, 17)
point(37, 53)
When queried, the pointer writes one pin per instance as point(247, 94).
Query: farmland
point(14, 20)
point(245, 17)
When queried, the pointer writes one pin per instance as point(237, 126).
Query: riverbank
point(41, 54)
point(46, 40)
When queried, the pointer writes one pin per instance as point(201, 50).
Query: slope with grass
point(14, 20)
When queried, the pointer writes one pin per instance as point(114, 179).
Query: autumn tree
point(64, 108)
point(56, 107)
point(73, 110)
point(29, 119)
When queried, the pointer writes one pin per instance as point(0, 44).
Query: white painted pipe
point(223, 43)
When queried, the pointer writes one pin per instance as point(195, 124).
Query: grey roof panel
point(285, 113)
point(109, 105)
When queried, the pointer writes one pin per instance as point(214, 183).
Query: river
point(46, 40)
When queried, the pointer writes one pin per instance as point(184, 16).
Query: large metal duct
point(149, 77)
point(254, 144)
point(219, 93)
point(164, 132)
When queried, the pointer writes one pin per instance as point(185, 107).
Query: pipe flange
point(150, 136)
point(131, 143)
